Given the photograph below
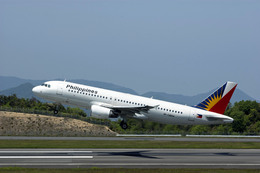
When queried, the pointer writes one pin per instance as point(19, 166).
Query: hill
point(22, 124)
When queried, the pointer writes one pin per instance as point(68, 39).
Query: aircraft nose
point(36, 90)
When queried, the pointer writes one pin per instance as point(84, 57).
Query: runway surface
point(188, 139)
point(131, 158)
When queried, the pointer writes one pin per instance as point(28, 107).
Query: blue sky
point(180, 46)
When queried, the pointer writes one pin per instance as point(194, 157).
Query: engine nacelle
point(102, 112)
point(140, 116)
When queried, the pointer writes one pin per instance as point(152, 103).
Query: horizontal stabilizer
point(220, 118)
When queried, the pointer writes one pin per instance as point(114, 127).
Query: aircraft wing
point(130, 110)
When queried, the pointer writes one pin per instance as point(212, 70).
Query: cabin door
point(59, 90)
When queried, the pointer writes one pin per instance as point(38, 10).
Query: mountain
point(12, 82)
point(193, 100)
point(23, 89)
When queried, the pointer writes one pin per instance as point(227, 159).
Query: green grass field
point(125, 144)
point(123, 170)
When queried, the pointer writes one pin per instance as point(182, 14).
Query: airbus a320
point(105, 104)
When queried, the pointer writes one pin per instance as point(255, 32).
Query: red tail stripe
point(221, 106)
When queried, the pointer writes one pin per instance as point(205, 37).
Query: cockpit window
point(46, 85)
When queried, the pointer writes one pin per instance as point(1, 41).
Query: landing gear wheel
point(55, 112)
point(56, 108)
point(123, 125)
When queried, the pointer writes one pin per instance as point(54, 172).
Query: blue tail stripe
point(218, 93)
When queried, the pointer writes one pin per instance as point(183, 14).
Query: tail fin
point(218, 101)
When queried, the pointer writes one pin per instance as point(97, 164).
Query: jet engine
point(102, 112)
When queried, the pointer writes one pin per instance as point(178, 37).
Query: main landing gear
point(123, 125)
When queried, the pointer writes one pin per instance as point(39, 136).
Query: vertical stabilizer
point(218, 101)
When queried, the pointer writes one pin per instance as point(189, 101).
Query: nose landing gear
point(56, 108)
point(55, 111)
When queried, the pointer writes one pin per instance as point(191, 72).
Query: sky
point(174, 46)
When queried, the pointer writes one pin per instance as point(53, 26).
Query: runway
point(131, 158)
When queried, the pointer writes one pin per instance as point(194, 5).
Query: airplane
point(105, 104)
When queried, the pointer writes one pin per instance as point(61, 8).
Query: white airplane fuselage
point(103, 100)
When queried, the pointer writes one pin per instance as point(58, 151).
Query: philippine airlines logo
point(80, 89)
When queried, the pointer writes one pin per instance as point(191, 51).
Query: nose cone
point(36, 90)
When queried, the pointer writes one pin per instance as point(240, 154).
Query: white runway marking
point(24, 156)
point(45, 151)
point(46, 157)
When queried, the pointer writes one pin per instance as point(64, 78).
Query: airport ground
point(129, 154)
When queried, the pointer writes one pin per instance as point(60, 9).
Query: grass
point(124, 170)
point(126, 144)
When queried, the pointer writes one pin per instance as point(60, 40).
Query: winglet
point(218, 101)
